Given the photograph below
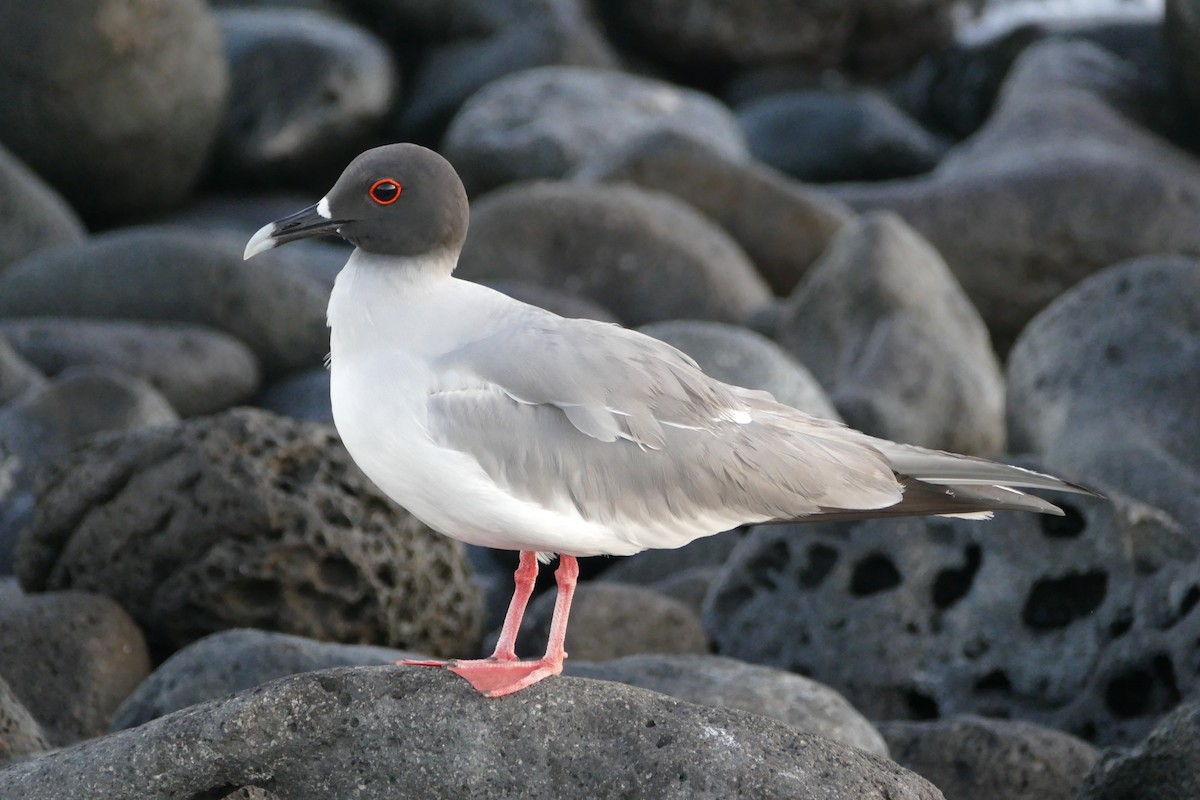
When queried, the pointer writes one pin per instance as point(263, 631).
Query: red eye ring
point(381, 191)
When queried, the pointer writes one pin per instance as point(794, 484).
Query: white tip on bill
point(260, 241)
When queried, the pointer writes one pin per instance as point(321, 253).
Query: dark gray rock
point(544, 122)
point(198, 370)
point(1166, 766)
point(560, 302)
point(164, 274)
point(971, 757)
point(376, 732)
point(612, 620)
point(878, 38)
point(246, 520)
point(885, 327)
point(48, 419)
point(308, 92)
point(689, 586)
point(849, 135)
point(1059, 184)
point(652, 566)
point(114, 103)
point(20, 733)
point(71, 658)
point(560, 32)
point(1084, 623)
point(304, 395)
point(727, 683)
point(645, 256)
point(742, 357)
point(32, 215)
point(234, 660)
point(1182, 31)
point(782, 225)
point(17, 376)
point(1104, 382)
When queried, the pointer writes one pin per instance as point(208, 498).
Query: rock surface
point(1123, 345)
point(885, 327)
point(1166, 766)
point(1083, 623)
point(71, 658)
point(308, 92)
point(20, 734)
point(971, 757)
point(17, 376)
point(782, 225)
point(708, 680)
point(198, 370)
point(32, 215)
point(114, 102)
point(234, 660)
point(543, 122)
point(248, 520)
point(643, 255)
point(822, 136)
point(1058, 184)
point(165, 274)
point(353, 732)
point(613, 620)
point(744, 358)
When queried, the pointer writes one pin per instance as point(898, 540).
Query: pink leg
point(495, 677)
point(506, 647)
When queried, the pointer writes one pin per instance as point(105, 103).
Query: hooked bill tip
point(260, 241)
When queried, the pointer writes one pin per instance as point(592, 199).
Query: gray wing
point(627, 431)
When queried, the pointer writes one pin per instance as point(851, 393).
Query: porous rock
point(1082, 622)
point(643, 255)
point(376, 732)
point(246, 519)
point(165, 274)
point(114, 102)
point(1104, 382)
point(543, 122)
point(973, 757)
point(709, 680)
point(782, 225)
point(888, 331)
point(71, 658)
point(198, 370)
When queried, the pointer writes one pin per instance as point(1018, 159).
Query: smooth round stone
point(543, 122)
point(302, 395)
point(885, 327)
point(32, 215)
point(114, 102)
point(309, 91)
point(826, 136)
point(198, 370)
point(72, 657)
point(782, 225)
point(643, 255)
point(742, 357)
point(17, 376)
point(170, 274)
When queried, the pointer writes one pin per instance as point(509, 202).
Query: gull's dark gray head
point(395, 200)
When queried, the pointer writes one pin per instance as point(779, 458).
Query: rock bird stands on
point(503, 425)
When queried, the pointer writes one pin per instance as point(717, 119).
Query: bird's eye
point(384, 191)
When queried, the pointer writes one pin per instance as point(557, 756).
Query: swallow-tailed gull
point(504, 425)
